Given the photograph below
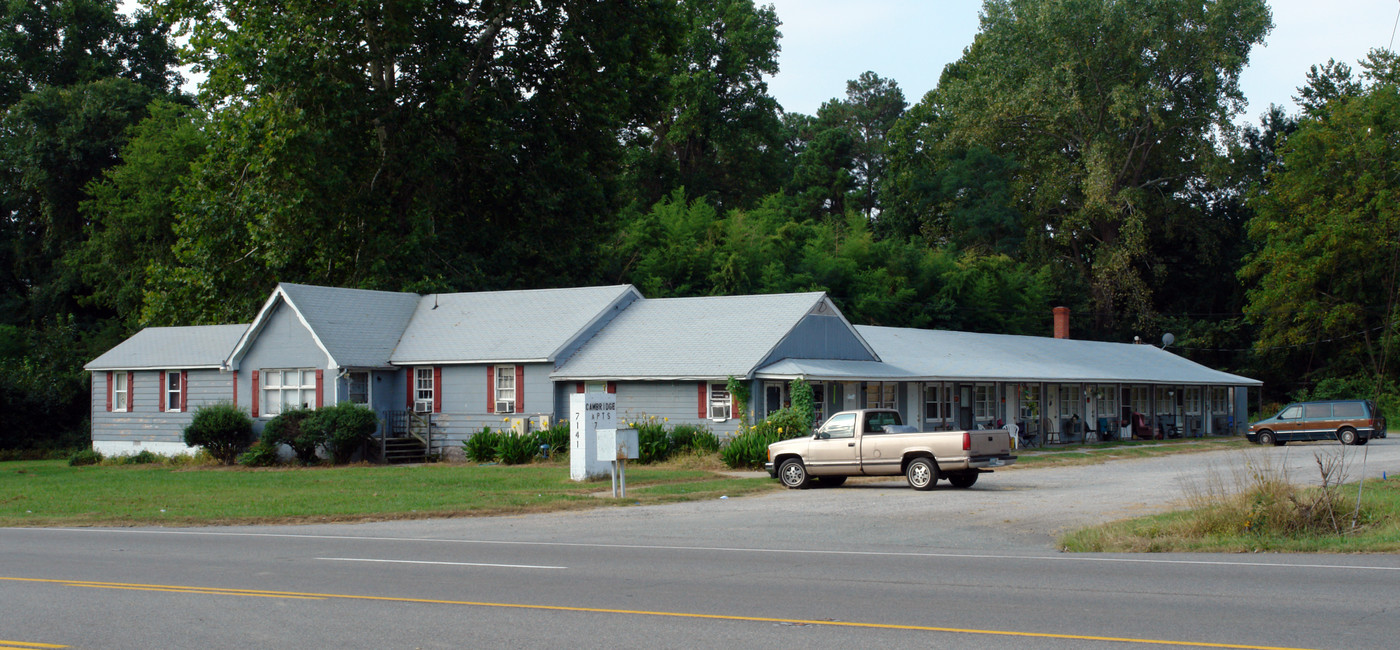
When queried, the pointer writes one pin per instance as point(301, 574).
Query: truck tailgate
point(989, 443)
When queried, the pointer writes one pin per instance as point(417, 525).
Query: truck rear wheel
point(794, 474)
point(921, 473)
point(963, 479)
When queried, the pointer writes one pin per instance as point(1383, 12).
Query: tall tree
point(718, 132)
point(465, 144)
point(1107, 110)
point(1326, 275)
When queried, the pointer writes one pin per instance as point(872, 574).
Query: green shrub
point(557, 437)
point(221, 429)
point(514, 449)
point(481, 447)
point(344, 428)
point(263, 454)
point(803, 402)
point(653, 443)
point(144, 457)
point(85, 457)
point(750, 448)
point(699, 440)
point(288, 429)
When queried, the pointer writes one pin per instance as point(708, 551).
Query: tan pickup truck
point(875, 442)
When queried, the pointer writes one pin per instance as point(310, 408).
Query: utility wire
point(1392, 32)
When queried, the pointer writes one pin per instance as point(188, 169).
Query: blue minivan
point(1349, 421)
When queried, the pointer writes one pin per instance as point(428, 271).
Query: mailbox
point(617, 444)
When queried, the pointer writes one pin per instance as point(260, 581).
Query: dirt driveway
point(1020, 509)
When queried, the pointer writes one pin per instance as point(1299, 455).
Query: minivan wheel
point(794, 474)
point(1266, 438)
point(1347, 436)
point(922, 474)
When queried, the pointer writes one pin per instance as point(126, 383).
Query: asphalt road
point(864, 565)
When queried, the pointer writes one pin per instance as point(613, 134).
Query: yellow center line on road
point(636, 612)
point(25, 645)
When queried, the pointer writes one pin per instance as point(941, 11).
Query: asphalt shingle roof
point(358, 327)
point(689, 338)
point(202, 346)
point(916, 354)
point(502, 325)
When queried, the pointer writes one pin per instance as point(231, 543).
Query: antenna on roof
point(435, 301)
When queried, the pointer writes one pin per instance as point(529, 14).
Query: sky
point(828, 42)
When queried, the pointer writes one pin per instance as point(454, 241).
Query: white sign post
point(587, 414)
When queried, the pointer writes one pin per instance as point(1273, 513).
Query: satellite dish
point(1168, 339)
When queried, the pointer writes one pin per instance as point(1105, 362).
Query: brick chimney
point(1061, 322)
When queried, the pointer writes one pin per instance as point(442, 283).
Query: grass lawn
point(1244, 524)
point(50, 493)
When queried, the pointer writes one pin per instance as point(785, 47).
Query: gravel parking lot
point(1018, 509)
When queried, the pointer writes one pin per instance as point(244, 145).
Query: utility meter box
point(617, 444)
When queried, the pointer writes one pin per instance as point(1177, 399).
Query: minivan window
point(1291, 413)
point(1316, 411)
point(1347, 410)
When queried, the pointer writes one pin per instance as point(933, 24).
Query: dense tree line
point(1080, 152)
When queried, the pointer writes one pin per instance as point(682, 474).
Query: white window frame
point(424, 389)
point(595, 387)
point(350, 386)
point(121, 391)
point(274, 381)
point(1070, 398)
point(1192, 404)
point(886, 394)
point(938, 397)
point(1220, 400)
point(721, 402)
point(1141, 403)
point(505, 389)
point(1030, 406)
point(984, 397)
point(170, 392)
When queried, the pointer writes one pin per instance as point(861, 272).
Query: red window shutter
point(131, 391)
point(235, 388)
point(109, 391)
point(578, 387)
point(255, 393)
point(320, 387)
point(184, 390)
point(520, 389)
point(490, 389)
point(612, 387)
point(161, 401)
point(437, 389)
point(412, 381)
point(703, 389)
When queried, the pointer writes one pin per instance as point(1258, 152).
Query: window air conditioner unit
point(422, 407)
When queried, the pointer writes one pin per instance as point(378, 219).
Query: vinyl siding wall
point(283, 343)
point(136, 429)
point(464, 399)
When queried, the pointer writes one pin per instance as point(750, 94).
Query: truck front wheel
point(921, 473)
point(793, 474)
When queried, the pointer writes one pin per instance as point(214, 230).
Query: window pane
point(272, 378)
point(274, 402)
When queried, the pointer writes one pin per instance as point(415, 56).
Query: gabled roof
point(915, 354)
point(175, 348)
point(690, 338)
point(505, 326)
point(353, 327)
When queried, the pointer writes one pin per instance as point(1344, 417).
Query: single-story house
point(441, 367)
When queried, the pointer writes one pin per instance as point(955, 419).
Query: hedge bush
point(263, 454)
point(557, 437)
point(288, 429)
point(512, 449)
point(342, 428)
point(84, 457)
point(222, 429)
